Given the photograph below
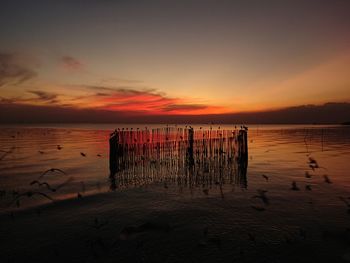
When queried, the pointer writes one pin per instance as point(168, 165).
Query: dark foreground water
point(305, 222)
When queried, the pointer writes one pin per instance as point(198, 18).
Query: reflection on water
point(280, 152)
point(184, 157)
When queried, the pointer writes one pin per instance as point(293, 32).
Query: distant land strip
point(329, 113)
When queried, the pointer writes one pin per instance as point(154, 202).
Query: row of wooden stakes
point(179, 155)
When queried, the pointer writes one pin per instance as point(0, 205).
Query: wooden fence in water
point(183, 156)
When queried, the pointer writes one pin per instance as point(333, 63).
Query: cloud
point(108, 81)
point(145, 101)
point(71, 63)
point(154, 102)
point(12, 71)
point(40, 98)
point(101, 94)
point(7, 100)
point(184, 107)
point(126, 90)
point(118, 99)
point(126, 99)
point(44, 96)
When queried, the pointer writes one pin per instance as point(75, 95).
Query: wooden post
point(190, 146)
point(242, 158)
point(242, 145)
point(113, 153)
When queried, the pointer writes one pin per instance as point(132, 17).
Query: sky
point(192, 57)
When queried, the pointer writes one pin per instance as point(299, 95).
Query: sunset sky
point(174, 57)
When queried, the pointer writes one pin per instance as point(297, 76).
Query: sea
point(73, 161)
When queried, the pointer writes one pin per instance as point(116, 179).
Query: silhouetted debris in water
point(307, 174)
point(312, 167)
point(308, 187)
point(53, 189)
point(258, 208)
point(294, 186)
point(327, 180)
point(313, 162)
point(99, 155)
point(41, 152)
point(79, 195)
point(262, 195)
point(265, 177)
point(83, 154)
point(43, 183)
point(29, 194)
point(51, 171)
point(59, 147)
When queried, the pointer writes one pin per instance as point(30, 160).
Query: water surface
point(281, 152)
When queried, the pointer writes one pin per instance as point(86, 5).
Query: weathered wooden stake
point(242, 145)
point(190, 146)
point(113, 153)
point(166, 152)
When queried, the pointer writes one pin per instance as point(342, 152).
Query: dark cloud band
point(12, 72)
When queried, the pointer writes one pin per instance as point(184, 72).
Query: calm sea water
point(279, 151)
